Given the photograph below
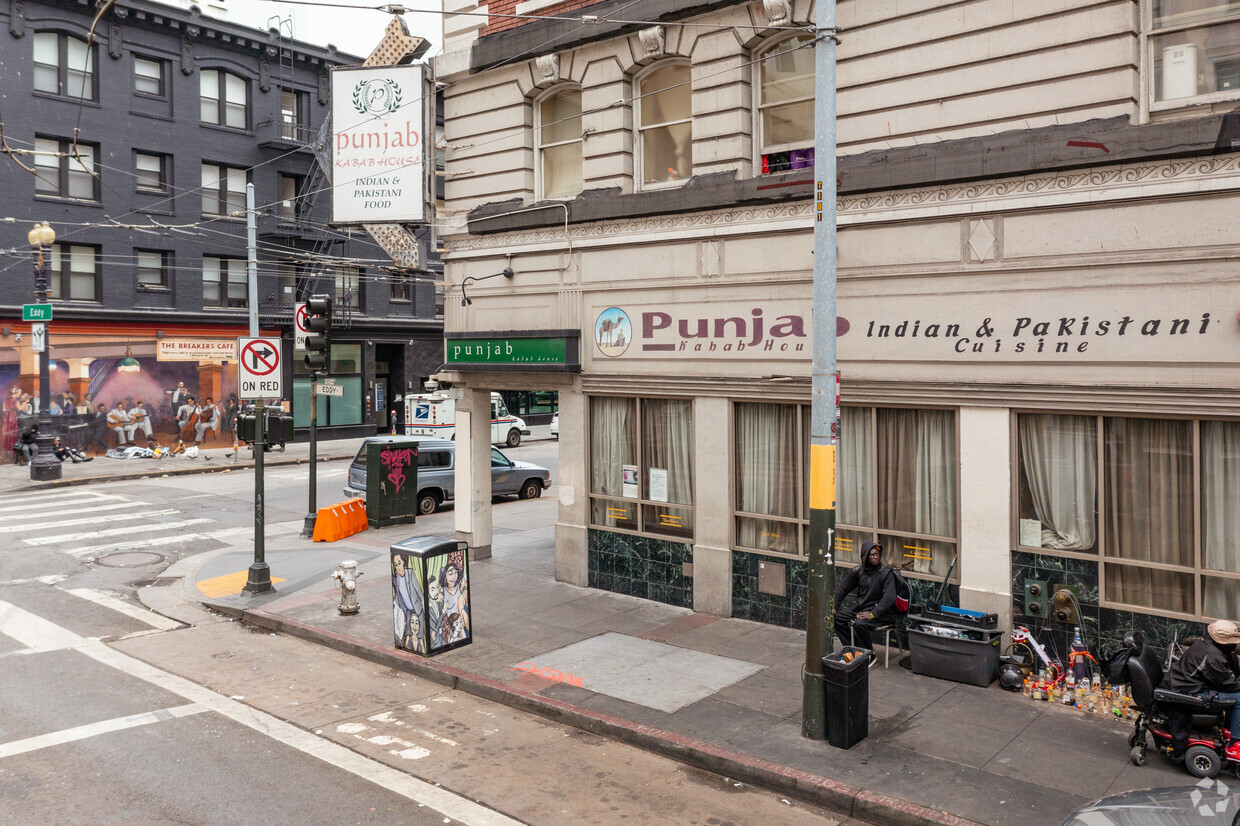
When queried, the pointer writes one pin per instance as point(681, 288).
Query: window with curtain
point(1194, 49)
point(73, 274)
point(150, 172)
point(223, 191)
point(65, 66)
point(770, 443)
point(148, 77)
point(560, 143)
point(152, 268)
point(897, 485)
point(641, 465)
point(665, 125)
point(224, 99)
point(786, 104)
point(224, 282)
point(65, 170)
point(1161, 506)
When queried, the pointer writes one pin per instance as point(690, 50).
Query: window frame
point(1148, 35)
point(760, 146)
point(639, 142)
point(225, 302)
point(165, 184)
point(342, 274)
point(163, 284)
point(161, 79)
point(400, 288)
point(62, 66)
point(293, 130)
point(641, 502)
point(1100, 555)
point(221, 100)
point(801, 519)
point(64, 170)
point(289, 208)
point(63, 273)
point(540, 147)
point(223, 191)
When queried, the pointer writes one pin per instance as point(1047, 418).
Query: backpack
point(904, 593)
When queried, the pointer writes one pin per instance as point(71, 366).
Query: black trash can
point(847, 697)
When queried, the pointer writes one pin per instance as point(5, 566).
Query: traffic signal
point(319, 334)
point(279, 428)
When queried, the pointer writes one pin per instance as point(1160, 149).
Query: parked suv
point(437, 473)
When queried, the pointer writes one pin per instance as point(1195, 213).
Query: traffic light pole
point(307, 529)
point(259, 578)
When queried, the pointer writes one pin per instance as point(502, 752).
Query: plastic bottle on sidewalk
point(1078, 648)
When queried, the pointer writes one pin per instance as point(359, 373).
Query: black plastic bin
point(964, 655)
point(847, 697)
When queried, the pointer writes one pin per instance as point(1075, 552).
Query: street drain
point(130, 559)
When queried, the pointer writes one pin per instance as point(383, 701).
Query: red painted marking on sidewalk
point(676, 627)
point(547, 673)
point(531, 683)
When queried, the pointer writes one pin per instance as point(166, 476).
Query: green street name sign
point(506, 351)
point(36, 312)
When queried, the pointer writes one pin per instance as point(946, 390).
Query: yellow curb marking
point(228, 584)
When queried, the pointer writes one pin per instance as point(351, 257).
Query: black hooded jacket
point(875, 587)
point(1205, 666)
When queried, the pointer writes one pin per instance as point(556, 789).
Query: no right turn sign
point(259, 375)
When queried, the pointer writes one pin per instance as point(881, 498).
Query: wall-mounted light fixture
point(466, 300)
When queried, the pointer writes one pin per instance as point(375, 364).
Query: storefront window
point(333, 411)
point(1167, 544)
point(641, 465)
point(770, 505)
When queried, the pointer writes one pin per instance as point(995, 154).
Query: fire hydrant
point(347, 576)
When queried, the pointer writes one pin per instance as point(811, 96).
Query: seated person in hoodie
point(875, 587)
point(1209, 666)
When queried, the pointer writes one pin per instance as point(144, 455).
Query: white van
point(434, 414)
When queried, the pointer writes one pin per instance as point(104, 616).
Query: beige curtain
point(767, 447)
point(1059, 464)
point(916, 463)
point(1220, 517)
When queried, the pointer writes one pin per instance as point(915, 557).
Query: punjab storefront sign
point(551, 350)
point(195, 349)
point(377, 145)
point(718, 330)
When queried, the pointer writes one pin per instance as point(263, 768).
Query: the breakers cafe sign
point(1117, 325)
point(378, 174)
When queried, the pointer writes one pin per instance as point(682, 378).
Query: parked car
point(437, 473)
point(1206, 802)
point(555, 425)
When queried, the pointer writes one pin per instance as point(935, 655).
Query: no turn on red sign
point(259, 374)
point(299, 326)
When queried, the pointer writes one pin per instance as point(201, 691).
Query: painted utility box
point(430, 595)
point(391, 482)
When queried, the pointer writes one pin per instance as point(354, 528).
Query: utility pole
point(825, 387)
point(259, 578)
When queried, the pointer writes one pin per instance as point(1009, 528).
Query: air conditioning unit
point(1179, 72)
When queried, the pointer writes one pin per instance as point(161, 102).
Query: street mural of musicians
point(118, 423)
point(139, 419)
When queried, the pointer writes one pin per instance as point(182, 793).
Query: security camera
point(19, 338)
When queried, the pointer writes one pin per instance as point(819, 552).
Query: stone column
point(473, 470)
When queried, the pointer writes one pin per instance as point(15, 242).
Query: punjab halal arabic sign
point(378, 173)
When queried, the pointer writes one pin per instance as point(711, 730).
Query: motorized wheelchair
point(1181, 726)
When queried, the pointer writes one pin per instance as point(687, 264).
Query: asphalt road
point(110, 713)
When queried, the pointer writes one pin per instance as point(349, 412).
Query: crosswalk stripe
point(60, 508)
point(70, 735)
point(77, 537)
point(90, 520)
point(57, 495)
point(143, 615)
point(159, 542)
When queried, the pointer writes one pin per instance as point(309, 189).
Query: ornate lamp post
point(45, 465)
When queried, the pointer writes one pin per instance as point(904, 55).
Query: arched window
point(558, 137)
point(665, 125)
point(64, 65)
point(786, 105)
point(225, 99)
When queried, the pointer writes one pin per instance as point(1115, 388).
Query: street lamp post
point(45, 466)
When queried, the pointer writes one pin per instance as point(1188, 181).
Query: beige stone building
point(1038, 286)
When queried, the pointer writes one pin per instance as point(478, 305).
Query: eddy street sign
point(259, 375)
point(36, 312)
point(329, 390)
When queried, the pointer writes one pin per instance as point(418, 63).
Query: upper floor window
point(349, 288)
point(74, 272)
point(292, 114)
point(665, 125)
point(223, 190)
point(288, 196)
point(150, 171)
point(148, 77)
point(152, 266)
point(1194, 47)
point(399, 284)
point(225, 99)
point(224, 282)
point(65, 171)
point(64, 65)
point(559, 144)
point(290, 275)
point(786, 105)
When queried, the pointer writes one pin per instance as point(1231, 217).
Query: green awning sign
point(553, 350)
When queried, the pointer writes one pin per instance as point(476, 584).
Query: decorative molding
point(187, 55)
point(264, 73)
point(653, 41)
point(120, 13)
point(193, 30)
point(17, 18)
point(324, 90)
point(115, 41)
point(982, 240)
point(1085, 186)
point(778, 12)
point(548, 66)
point(709, 260)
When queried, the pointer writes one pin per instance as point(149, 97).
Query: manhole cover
point(130, 559)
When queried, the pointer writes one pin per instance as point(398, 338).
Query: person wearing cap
point(1209, 667)
point(875, 587)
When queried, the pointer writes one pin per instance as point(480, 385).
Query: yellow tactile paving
point(228, 584)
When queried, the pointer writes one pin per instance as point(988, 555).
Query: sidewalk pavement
point(719, 693)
